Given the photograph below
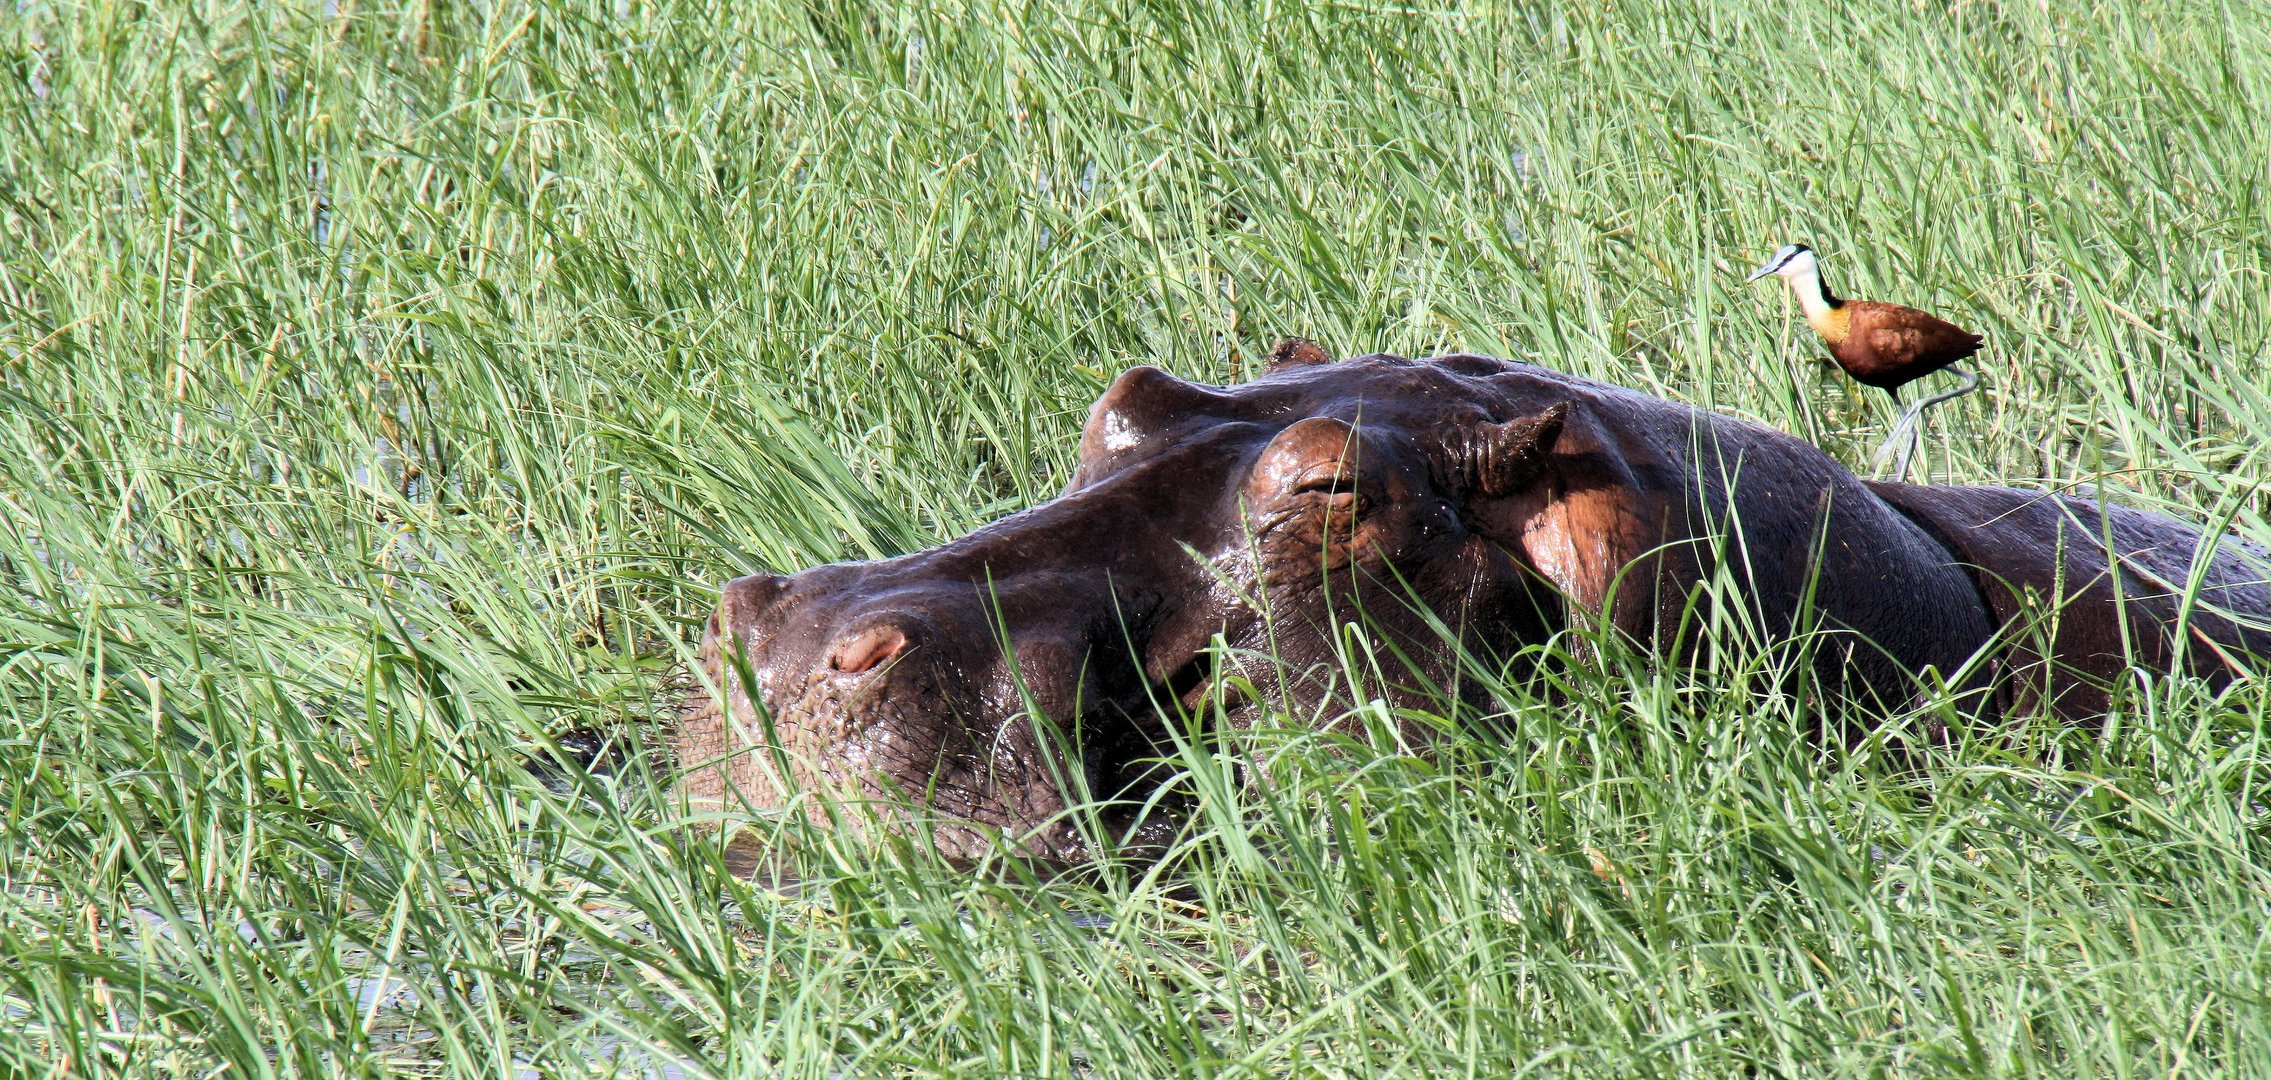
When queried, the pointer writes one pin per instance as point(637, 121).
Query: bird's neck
point(1814, 298)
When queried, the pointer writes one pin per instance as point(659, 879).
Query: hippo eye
point(1330, 479)
point(1339, 488)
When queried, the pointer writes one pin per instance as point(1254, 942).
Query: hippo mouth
point(1189, 684)
point(1133, 763)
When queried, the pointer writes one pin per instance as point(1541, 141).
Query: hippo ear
point(1296, 352)
point(1502, 459)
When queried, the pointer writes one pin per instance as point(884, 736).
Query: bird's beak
point(1759, 273)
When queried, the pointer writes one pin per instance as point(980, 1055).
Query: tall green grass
point(388, 387)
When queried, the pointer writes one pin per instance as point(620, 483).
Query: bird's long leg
point(1915, 413)
point(1898, 445)
point(1914, 430)
point(1893, 437)
point(1909, 429)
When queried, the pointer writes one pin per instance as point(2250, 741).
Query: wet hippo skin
point(987, 677)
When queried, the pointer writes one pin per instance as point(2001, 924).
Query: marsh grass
point(389, 386)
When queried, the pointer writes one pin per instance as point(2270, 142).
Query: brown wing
point(1887, 345)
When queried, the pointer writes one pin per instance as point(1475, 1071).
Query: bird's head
point(1789, 261)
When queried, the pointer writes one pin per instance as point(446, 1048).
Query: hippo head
point(996, 678)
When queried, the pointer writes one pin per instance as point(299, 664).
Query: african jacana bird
point(1882, 345)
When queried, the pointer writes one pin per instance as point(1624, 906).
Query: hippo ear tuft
point(1296, 352)
point(1504, 458)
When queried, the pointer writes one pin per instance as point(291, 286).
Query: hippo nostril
point(861, 652)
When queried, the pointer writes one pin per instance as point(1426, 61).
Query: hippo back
point(2073, 620)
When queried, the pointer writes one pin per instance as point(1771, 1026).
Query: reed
point(388, 386)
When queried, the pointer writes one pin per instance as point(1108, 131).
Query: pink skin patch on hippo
point(1581, 541)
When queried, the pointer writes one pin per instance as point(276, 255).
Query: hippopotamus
point(1457, 504)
